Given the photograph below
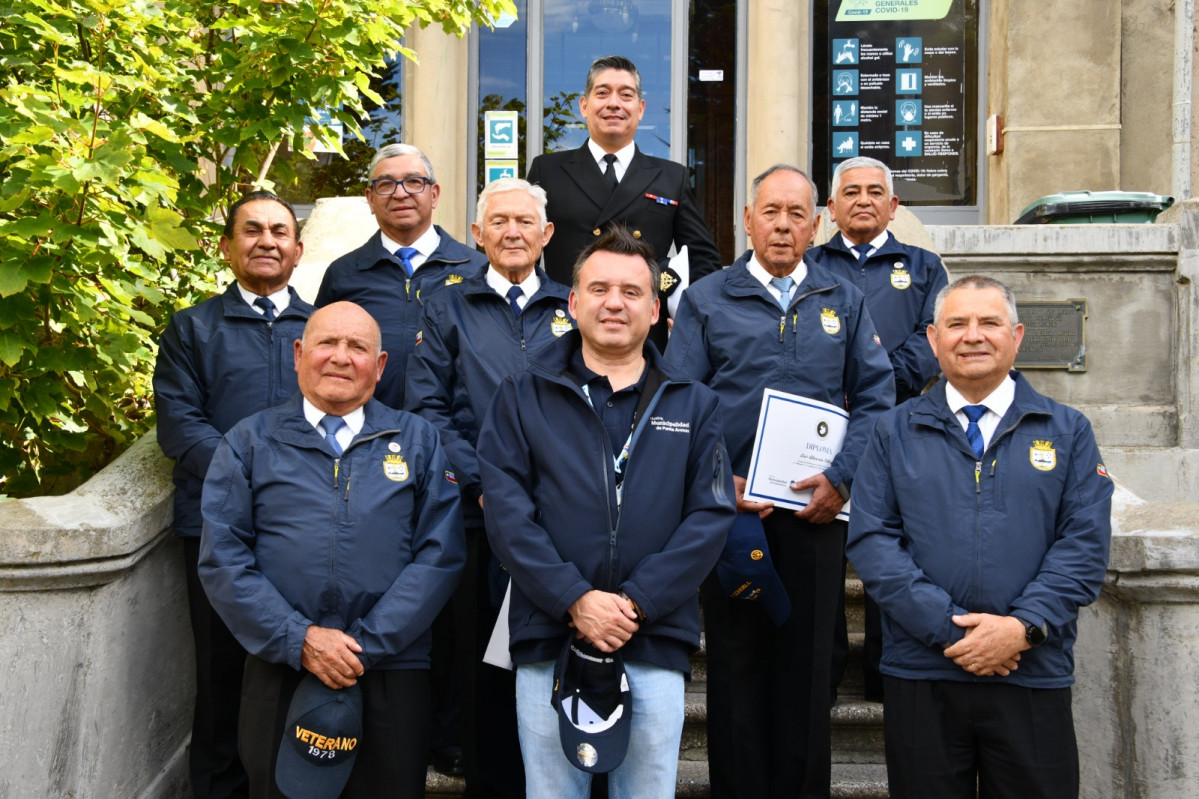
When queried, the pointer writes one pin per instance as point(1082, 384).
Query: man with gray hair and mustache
point(475, 333)
point(398, 268)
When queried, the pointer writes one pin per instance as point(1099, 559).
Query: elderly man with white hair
point(475, 333)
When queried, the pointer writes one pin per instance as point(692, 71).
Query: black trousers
point(959, 740)
point(392, 756)
point(490, 741)
point(768, 688)
point(215, 769)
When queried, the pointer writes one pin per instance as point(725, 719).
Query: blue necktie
point(268, 307)
point(783, 286)
point(863, 254)
point(513, 295)
point(406, 255)
point(331, 425)
point(973, 434)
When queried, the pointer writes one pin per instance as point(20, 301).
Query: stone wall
point(96, 674)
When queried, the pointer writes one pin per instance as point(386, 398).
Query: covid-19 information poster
point(896, 80)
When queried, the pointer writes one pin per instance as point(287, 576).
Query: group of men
point(503, 428)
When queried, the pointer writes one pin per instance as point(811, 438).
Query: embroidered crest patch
point(1042, 455)
point(830, 321)
point(395, 468)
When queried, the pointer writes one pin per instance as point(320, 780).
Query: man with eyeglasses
point(395, 271)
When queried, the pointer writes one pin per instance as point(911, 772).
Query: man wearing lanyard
point(609, 496)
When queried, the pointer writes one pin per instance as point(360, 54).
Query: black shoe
point(448, 761)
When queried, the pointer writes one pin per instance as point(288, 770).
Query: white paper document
point(497, 653)
point(797, 438)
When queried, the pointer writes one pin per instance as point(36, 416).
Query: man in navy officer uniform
point(609, 180)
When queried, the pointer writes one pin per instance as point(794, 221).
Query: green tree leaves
point(126, 128)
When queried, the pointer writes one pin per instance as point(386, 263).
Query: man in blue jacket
point(981, 524)
point(609, 496)
point(332, 538)
point(219, 362)
point(900, 283)
point(402, 265)
point(773, 321)
point(475, 333)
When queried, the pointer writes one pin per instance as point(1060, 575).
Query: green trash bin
point(1094, 207)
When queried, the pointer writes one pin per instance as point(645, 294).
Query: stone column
point(779, 85)
point(437, 120)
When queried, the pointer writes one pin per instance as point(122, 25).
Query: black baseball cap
point(594, 704)
point(320, 741)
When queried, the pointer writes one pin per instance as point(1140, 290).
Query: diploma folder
point(797, 437)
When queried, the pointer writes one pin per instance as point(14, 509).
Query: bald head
point(339, 359)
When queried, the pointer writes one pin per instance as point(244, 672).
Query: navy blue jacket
point(553, 519)
point(471, 341)
point(1024, 532)
point(901, 284)
point(731, 335)
point(375, 279)
point(369, 543)
point(218, 362)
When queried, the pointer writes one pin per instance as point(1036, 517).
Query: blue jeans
point(651, 762)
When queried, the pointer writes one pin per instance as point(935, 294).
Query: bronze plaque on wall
point(1054, 335)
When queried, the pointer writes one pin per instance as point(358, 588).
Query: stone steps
point(859, 770)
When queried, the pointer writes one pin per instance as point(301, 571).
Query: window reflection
point(579, 31)
point(301, 180)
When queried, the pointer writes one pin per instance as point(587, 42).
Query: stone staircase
point(859, 770)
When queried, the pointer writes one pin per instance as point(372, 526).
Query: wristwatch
point(1033, 633)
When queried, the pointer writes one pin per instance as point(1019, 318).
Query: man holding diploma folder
point(773, 321)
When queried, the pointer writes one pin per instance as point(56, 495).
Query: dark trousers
point(490, 741)
point(215, 768)
point(768, 688)
point(395, 730)
point(959, 740)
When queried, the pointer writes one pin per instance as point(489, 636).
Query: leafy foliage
point(126, 126)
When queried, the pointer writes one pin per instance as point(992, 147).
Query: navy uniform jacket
point(732, 336)
point(369, 543)
point(581, 206)
point(471, 341)
point(218, 362)
point(901, 284)
point(936, 533)
point(375, 279)
point(553, 518)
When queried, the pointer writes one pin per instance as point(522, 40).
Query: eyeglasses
point(385, 187)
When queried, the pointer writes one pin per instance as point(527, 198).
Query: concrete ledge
point(116, 513)
point(966, 241)
point(95, 648)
